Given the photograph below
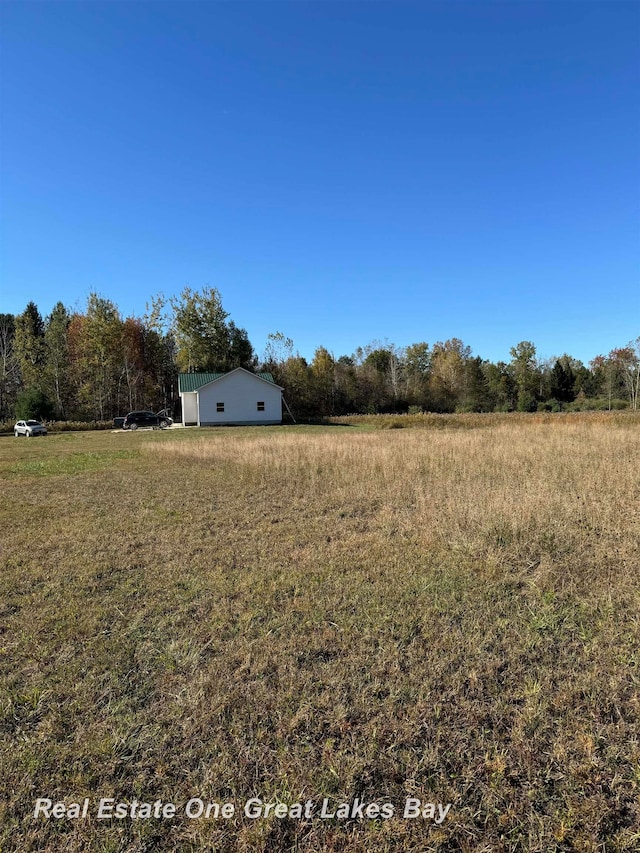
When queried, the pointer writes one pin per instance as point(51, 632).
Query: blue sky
point(340, 171)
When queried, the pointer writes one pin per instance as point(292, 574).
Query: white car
point(29, 428)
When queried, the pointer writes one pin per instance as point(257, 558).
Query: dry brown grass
point(505, 494)
point(451, 614)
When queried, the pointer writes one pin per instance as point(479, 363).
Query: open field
point(448, 614)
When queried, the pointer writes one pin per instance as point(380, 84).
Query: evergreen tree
point(562, 381)
point(32, 403)
point(241, 352)
point(9, 366)
point(29, 346)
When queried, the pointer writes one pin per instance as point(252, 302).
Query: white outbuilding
point(235, 398)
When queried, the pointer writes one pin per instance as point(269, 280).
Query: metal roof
point(193, 381)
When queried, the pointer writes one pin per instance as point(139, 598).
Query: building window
point(261, 406)
point(219, 407)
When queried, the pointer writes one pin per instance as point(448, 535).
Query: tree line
point(93, 365)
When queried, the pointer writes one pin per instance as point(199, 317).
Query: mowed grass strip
point(450, 614)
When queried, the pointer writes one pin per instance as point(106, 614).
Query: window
point(219, 407)
point(261, 406)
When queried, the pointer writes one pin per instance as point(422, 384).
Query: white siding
point(240, 392)
point(189, 408)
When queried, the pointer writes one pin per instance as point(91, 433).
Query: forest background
point(94, 365)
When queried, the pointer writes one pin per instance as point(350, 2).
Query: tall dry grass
point(555, 495)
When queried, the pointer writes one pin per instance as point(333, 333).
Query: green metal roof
point(192, 381)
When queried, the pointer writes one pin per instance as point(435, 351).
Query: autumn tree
point(57, 365)
point(523, 364)
point(448, 379)
point(95, 342)
point(323, 381)
point(131, 362)
point(161, 373)
point(417, 363)
point(501, 386)
point(346, 385)
point(627, 361)
point(278, 349)
point(380, 375)
point(373, 383)
point(296, 379)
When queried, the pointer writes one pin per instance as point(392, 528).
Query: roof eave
point(228, 373)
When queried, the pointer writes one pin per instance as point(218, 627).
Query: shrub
point(526, 402)
point(61, 426)
point(32, 403)
point(550, 406)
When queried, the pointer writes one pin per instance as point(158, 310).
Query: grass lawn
point(444, 614)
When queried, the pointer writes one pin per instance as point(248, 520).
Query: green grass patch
point(71, 463)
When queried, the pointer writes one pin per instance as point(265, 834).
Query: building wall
point(240, 393)
point(189, 408)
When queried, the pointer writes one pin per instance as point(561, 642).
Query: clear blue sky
point(339, 171)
